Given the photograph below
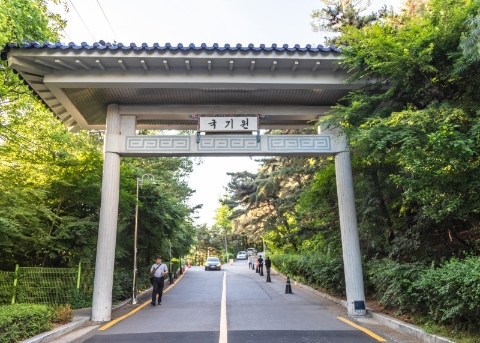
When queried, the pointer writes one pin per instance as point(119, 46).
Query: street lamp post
point(226, 248)
point(170, 275)
point(134, 282)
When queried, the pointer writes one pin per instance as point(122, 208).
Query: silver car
point(242, 255)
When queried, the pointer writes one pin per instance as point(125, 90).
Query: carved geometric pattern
point(224, 144)
point(229, 143)
point(309, 143)
point(177, 143)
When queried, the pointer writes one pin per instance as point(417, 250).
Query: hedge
point(21, 321)
point(447, 294)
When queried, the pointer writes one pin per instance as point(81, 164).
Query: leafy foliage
point(21, 321)
point(18, 322)
point(51, 179)
point(339, 13)
point(318, 270)
point(265, 203)
point(415, 121)
point(446, 294)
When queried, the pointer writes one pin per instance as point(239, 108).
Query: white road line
point(223, 314)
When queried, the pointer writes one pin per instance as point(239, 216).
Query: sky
point(197, 21)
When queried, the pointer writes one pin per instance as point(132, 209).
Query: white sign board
point(228, 124)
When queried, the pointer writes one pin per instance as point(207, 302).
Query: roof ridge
point(102, 45)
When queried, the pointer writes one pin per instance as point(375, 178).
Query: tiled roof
point(101, 45)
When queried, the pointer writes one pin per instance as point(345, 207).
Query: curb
point(395, 324)
point(77, 322)
point(408, 329)
point(60, 331)
point(80, 319)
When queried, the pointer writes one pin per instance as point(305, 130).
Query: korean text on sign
point(228, 124)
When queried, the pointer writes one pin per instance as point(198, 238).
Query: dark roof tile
point(101, 45)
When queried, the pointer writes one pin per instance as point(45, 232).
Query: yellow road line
point(368, 332)
point(115, 321)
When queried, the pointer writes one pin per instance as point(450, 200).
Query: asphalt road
point(252, 311)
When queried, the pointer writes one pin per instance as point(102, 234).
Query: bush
point(62, 314)
point(317, 270)
point(6, 286)
point(451, 293)
point(122, 285)
point(21, 321)
point(395, 284)
point(80, 300)
point(448, 294)
point(226, 257)
point(143, 279)
point(175, 265)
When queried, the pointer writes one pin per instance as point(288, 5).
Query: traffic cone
point(268, 276)
point(257, 270)
point(288, 288)
point(261, 270)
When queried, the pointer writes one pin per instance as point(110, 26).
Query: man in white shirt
point(158, 270)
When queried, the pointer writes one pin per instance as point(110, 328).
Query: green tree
point(413, 130)
point(223, 225)
point(51, 179)
point(265, 203)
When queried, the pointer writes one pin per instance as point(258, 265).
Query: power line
point(25, 139)
point(114, 34)
point(82, 20)
point(66, 34)
point(23, 146)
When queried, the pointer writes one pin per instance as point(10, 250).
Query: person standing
point(268, 264)
point(250, 261)
point(158, 270)
point(260, 264)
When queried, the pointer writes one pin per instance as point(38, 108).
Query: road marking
point(223, 312)
point(115, 321)
point(368, 332)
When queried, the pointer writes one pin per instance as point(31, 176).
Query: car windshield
point(213, 259)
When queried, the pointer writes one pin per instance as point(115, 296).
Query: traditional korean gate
point(122, 89)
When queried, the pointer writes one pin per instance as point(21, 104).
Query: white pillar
point(349, 229)
point(352, 262)
point(107, 231)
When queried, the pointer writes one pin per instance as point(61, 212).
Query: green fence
point(46, 285)
point(6, 287)
point(74, 286)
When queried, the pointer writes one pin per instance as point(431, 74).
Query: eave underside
point(291, 90)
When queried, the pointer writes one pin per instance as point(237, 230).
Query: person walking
point(158, 270)
point(250, 261)
point(268, 264)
